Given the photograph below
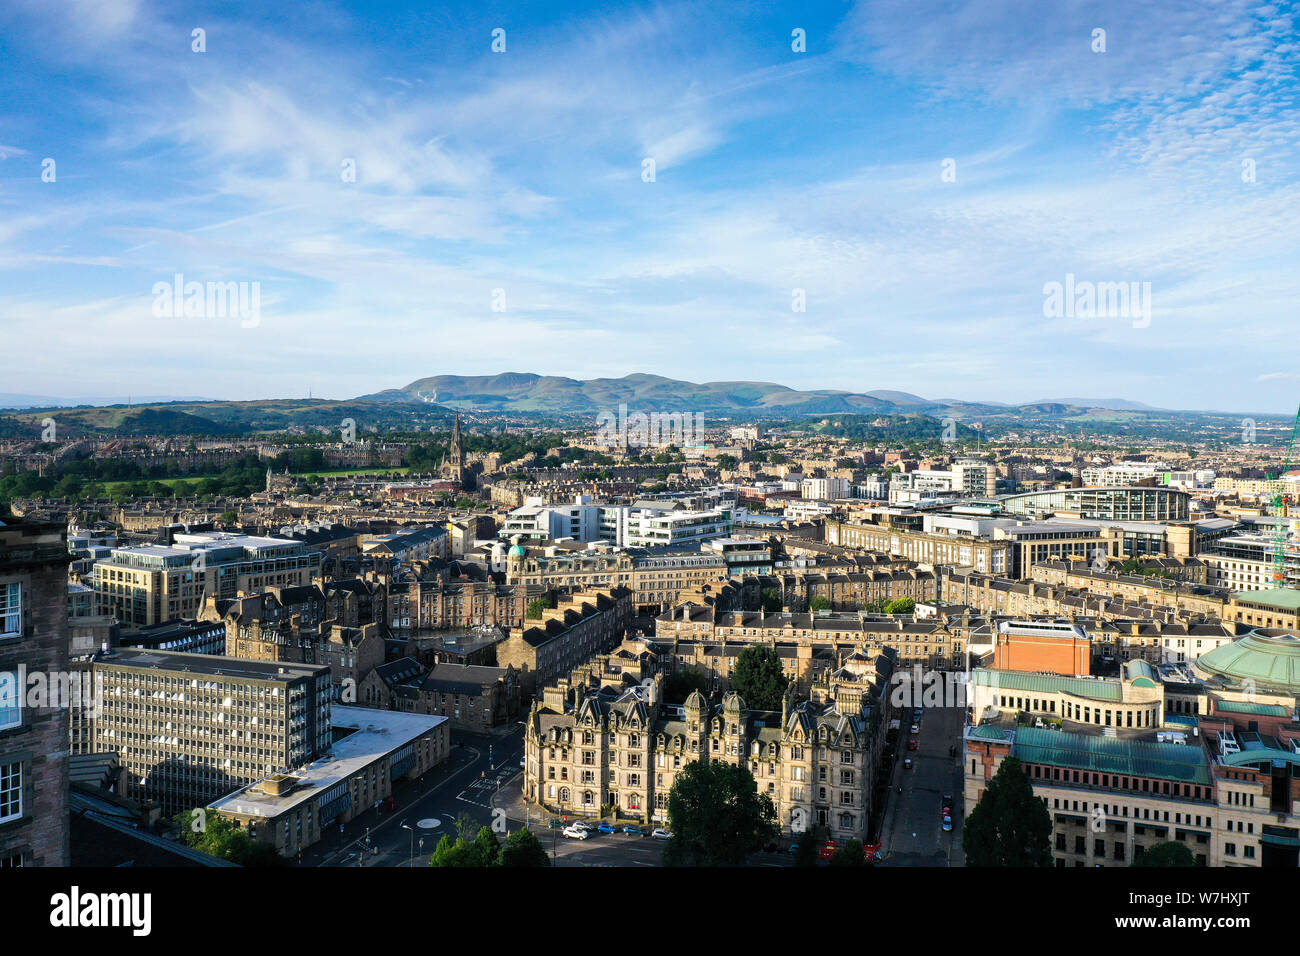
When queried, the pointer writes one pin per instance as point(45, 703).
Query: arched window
point(564, 794)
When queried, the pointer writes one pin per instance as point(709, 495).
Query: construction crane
point(1280, 502)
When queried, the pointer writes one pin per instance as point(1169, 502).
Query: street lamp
point(403, 826)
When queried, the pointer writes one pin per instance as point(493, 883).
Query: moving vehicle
point(659, 833)
point(827, 850)
point(916, 728)
point(575, 832)
point(947, 803)
point(907, 763)
point(871, 851)
point(947, 822)
point(911, 744)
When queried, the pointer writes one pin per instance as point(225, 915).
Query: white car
point(575, 832)
point(659, 833)
point(916, 728)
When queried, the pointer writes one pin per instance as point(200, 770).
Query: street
point(465, 784)
point(913, 834)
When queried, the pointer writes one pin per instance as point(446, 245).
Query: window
point(11, 705)
point(11, 791)
point(11, 609)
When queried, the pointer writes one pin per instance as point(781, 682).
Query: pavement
point(912, 833)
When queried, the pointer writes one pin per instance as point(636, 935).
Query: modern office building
point(33, 724)
point(145, 585)
point(1126, 503)
point(189, 728)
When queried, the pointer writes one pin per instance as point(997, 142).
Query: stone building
point(617, 750)
point(34, 731)
point(578, 628)
point(472, 697)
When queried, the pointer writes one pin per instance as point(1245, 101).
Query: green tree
point(450, 852)
point(717, 816)
point(1009, 826)
point(851, 853)
point(819, 603)
point(535, 608)
point(904, 605)
point(487, 847)
point(1169, 853)
point(759, 678)
point(218, 836)
point(522, 848)
point(773, 600)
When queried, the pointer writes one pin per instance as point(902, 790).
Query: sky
point(886, 207)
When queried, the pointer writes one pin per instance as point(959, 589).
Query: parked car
point(947, 822)
point(907, 763)
point(916, 728)
point(554, 824)
point(633, 830)
point(911, 744)
point(575, 832)
point(947, 803)
point(659, 833)
point(609, 828)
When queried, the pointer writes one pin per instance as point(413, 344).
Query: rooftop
point(375, 734)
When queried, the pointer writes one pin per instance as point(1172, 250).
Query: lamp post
point(403, 826)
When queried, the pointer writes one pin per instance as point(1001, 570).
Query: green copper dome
point(1269, 657)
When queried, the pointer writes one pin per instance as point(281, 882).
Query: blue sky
point(774, 171)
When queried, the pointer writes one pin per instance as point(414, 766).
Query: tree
point(852, 853)
point(1009, 826)
point(1169, 853)
point(819, 603)
point(483, 850)
point(759, 678)
point(717, 816)
point(904, 605)
point(535, 608)
point(773, 600)
point(218, 836)
point(487, 847)
point(522, 848)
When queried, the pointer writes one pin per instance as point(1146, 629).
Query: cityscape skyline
point(913, 183)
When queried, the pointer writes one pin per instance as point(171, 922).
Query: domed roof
point(733, 703)
point(695, 701)
point(516, 551)
point(1267, 656)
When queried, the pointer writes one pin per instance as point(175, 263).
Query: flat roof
point(209, 665)
point(376, 733)
point(1184, 763)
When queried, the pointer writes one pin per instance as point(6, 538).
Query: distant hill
point(521, 391)
point(1114, 404)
